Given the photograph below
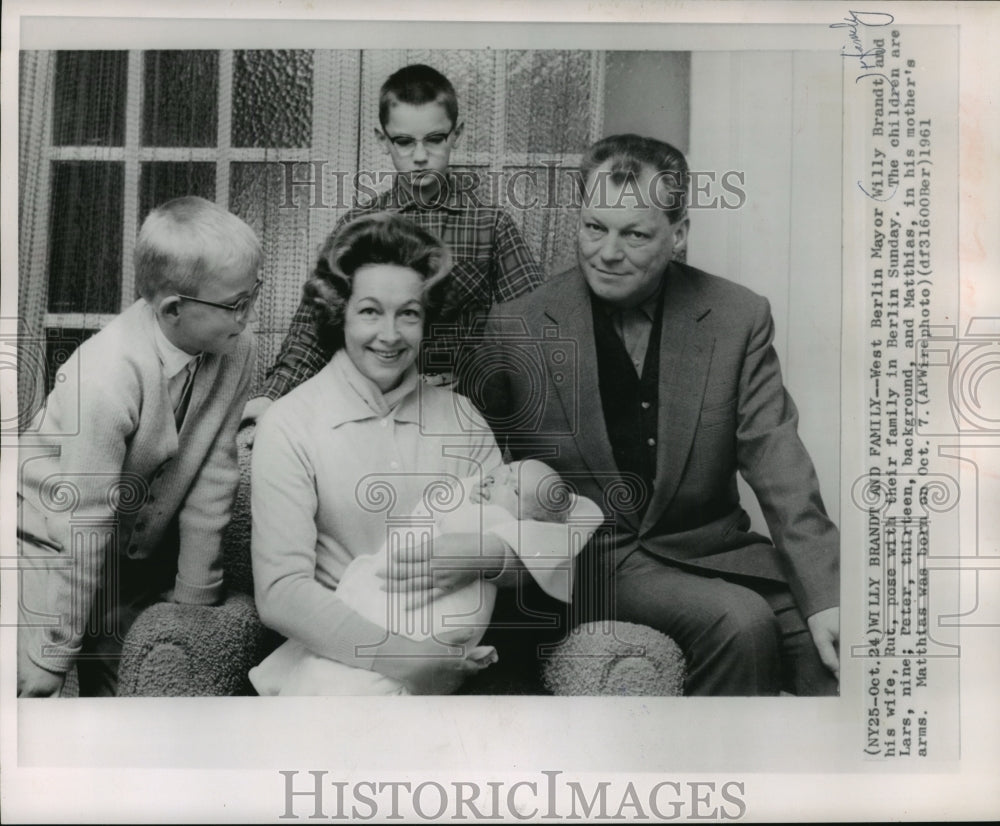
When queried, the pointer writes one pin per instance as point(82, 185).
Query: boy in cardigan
point(418, 113)
point(127, 476)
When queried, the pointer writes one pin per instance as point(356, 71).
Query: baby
point(525, 504)
point(545, 497)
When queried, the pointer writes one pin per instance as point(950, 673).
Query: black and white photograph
point(614, 387)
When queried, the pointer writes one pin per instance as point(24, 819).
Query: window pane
point(89, 105)
point(85, 267)
point(60, 343)
point(179, 105)
point(272, 98)
point(162, 180)
point(548, 101)
point(257, 194)
point(471, 73)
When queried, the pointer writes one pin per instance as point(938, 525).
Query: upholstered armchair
point(193, 650)
point(189, 650)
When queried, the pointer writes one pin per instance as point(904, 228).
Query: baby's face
point(521, 488)
point(500, 487)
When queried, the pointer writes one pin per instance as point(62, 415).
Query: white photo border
point(135, 760)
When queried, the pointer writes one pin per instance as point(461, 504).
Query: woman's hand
point(431, 666)
point(441, 566)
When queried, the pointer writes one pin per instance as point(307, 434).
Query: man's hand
point(825, 629)
point(426, 666)
point(446, 564)
point(35, 681)
point(254, 409)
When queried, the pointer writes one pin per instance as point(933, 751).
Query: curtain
point(276, 137)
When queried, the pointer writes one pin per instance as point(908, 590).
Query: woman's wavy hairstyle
point(381, 238)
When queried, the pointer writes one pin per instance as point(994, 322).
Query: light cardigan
point(333, 468)
point(104, 471)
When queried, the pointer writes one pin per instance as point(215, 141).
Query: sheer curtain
point(33, 175)
point(276, 136)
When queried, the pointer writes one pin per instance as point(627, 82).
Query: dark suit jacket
point(722, 408)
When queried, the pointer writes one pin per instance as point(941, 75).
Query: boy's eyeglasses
point(240, 310)
point(406, 145)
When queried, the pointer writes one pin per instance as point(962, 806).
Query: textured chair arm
point(615, 658)
point(192, 650)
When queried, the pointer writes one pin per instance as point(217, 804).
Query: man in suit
point(647, 384)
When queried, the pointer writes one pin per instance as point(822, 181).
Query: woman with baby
point(365, 462)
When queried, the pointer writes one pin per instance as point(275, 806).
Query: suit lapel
point(571, 310)
point(685, 355)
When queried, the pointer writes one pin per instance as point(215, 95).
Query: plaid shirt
point(491, 265)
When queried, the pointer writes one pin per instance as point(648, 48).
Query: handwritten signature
point(857, 50)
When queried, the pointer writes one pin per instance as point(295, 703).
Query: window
point(105, 136)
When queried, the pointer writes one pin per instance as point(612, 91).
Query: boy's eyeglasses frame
point(240, 310)
point(407, 144)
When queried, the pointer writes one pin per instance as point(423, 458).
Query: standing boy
point(418, 111)
point(127, 486)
